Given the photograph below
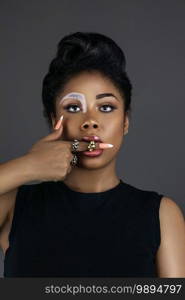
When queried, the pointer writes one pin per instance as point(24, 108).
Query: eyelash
point(113, 107)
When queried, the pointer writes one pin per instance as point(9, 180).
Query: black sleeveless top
point(58, 232)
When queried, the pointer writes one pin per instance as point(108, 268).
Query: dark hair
point(84, 51)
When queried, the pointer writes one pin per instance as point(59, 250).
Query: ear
point(126, 124)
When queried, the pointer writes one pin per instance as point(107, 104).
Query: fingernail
point(57, 126)
point(105, 146)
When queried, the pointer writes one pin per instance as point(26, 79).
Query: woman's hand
point(50, 157)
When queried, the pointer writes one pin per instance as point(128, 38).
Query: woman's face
point(88, 112)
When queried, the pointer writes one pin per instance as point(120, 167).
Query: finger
point(56, 134)
point(59, 123)
point(83, 146)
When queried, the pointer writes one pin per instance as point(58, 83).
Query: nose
point(89, 124)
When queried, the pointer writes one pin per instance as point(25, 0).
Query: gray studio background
point(151, 33)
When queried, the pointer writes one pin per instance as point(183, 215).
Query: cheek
point(116, 133)
point(115, 127)
point(71, 127)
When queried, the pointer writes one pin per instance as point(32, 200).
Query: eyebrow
point(99, 96)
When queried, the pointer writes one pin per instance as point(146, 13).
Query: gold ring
point(91, 146)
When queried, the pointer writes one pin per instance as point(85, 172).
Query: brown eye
point(109, 110)
point(71, 105)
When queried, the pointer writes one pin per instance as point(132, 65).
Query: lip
point(92, 138)
point(93, 153)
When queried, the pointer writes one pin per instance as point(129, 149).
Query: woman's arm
point(170, 259)
point(14, 173)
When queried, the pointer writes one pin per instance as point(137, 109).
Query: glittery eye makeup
point(76, 96)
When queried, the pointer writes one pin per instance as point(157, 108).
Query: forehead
point(90, 82)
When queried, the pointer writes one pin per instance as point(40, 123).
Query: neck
point(92, 180)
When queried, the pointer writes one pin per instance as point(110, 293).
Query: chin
point(92, 162)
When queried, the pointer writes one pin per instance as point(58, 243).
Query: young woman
point(81, 219)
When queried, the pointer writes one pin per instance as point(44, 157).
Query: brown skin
point(93, 174)
point(170, 258)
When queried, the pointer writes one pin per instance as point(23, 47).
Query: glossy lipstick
point(93, 153)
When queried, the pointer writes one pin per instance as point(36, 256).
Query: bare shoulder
point(171, 253)
point(170, 211)
point(171, 219)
